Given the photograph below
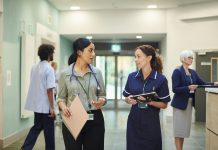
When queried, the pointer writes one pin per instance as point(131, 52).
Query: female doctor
point(86, 81)
point(143, 126)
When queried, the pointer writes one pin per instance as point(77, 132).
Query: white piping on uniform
point(137, 74)
point(126, 92)
point(155, 77)
point(164, 97)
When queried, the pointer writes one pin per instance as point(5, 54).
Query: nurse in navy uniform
point(143, 126)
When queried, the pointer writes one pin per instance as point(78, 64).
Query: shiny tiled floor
point(115, 123)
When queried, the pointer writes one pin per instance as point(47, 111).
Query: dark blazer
point(180, 87)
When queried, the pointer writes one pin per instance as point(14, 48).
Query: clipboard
point(77, 120)
point(148, 97)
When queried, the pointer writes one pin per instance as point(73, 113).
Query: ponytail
point(157, 64)
point(71, 59)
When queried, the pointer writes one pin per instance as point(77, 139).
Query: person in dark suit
point(184, 84)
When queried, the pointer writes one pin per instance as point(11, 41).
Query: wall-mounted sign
point(205, 63)
point(116, 48)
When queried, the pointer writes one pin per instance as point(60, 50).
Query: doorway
point(203, 68)
point(115, 70)
point(1, 101)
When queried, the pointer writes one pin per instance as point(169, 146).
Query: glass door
point(107, 66)
point(115, 70)
point(125, 65)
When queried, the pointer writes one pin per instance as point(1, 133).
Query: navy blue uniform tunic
point(143, 126)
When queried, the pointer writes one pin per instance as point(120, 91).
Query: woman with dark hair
point(143, 126)
point(86, 81)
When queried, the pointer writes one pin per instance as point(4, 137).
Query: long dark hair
point(156, 62)
point(79, 45)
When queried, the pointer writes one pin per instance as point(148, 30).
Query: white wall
point(113, 21)
point(197, 34)
point(199, 11)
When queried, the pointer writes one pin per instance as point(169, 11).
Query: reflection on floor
point(115, 123)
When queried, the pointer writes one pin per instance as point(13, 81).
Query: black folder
point(207, 86)
point(152, 96)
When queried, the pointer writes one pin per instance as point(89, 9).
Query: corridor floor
point(115, 124)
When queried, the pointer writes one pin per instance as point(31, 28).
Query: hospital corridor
point(143, 74)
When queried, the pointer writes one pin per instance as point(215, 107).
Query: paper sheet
point(78, 118)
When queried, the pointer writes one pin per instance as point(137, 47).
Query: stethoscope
point(96, 80)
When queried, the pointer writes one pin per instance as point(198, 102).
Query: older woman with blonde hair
point(184, 84)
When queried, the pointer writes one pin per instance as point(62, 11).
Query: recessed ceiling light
point(75, 8)
point(138, 36)
point(89, 37)
point(152, 6)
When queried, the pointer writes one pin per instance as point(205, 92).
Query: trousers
point(91, 136)
point(41, 122)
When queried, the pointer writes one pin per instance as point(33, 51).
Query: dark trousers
point(41, 122)
point(91, 136)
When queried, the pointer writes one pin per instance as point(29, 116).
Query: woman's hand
point(98, 104)
point(141, 98)
point(215, 83)
point(66, 111)
point(192, 87)
point(158, 104)
point(129, 100)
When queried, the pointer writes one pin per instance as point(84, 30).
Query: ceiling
point(120, 38)
point(64, 5)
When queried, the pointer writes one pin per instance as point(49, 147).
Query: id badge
point(90, 116)
point(142, 105)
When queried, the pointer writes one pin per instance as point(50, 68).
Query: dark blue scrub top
point(155, 82)
point(143, 126)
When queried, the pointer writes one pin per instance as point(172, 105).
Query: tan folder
point(77, 120)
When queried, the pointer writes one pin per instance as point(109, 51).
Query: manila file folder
point(78, 118)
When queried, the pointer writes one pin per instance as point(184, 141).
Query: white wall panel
point(27, 61)
point(1, 5)
point(108, 22)
point(1, 46)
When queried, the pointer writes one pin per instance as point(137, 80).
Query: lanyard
point(86, 92)
point(190, 77)
point(145, 82)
